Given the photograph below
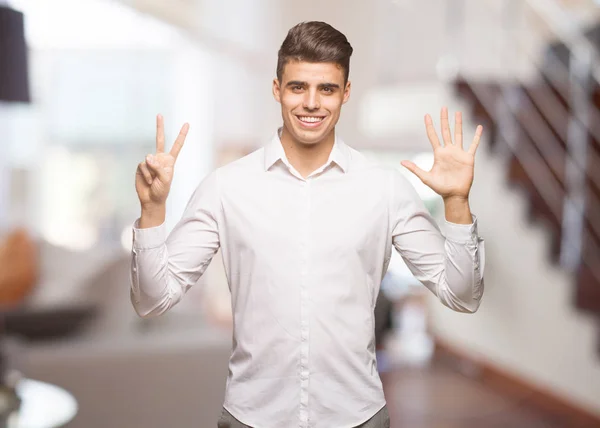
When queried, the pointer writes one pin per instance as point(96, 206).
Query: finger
point(445, 126)
point(160, 134)
point(458, 139)
point(155, 169)
point(180, 140)
point(415, 170)
point(475, 143)
point(433, 139)
point(143, 168)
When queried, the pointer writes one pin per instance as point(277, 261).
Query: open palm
point(154, 176)
point(452, 171)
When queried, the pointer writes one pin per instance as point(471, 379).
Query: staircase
point(549, 128)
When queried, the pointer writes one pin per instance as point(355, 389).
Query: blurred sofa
point(125, 371)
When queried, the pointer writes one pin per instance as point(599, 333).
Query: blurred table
point(43, 405)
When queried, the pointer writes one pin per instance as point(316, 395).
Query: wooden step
point(539, 210)
point(587, 290)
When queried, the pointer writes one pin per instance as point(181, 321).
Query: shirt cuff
point(462, 232)
point(151, 237)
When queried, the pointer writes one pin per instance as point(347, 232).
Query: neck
point(306, 158)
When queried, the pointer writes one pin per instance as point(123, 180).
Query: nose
point(311, 100)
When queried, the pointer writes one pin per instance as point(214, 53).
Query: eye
point(297, 88)
point(328, 90)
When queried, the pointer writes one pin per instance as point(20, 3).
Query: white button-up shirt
point(304, 260)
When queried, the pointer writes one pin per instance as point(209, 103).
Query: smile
point(310, 121)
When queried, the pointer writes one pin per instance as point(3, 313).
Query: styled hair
point(315, 41)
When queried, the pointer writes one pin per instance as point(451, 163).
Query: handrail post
point(573, 218)
point(508, 101)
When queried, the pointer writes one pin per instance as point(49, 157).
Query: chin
point(309, 137)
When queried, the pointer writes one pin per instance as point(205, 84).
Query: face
point(311, 97)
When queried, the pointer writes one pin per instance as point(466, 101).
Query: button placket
point(304, 326)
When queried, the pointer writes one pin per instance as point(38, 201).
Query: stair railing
point(570, 206)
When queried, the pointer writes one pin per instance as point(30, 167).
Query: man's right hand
point(154, 175)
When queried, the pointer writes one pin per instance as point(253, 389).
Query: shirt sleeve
point(450, 266)
point(164, 268)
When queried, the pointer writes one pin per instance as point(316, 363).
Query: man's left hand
point(452, 173)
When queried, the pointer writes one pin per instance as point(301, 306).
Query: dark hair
point(315, 41)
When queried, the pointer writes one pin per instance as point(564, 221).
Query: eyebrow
point(320, 86)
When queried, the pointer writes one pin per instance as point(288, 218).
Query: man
point(306, 225)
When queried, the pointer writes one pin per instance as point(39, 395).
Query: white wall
point(527, 324)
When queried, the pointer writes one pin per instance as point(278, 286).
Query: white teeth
point(310, 119)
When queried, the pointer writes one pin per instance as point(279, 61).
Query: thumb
point(415, 170)
point(155, 168)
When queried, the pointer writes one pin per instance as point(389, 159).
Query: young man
point(306, 225)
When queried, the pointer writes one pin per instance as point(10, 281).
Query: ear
point(346, 92)
point(276, 90)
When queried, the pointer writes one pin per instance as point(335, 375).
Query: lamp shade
point(14, 76)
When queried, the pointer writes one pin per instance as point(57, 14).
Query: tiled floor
point(441, 397)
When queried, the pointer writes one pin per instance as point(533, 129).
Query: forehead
point(313, 72)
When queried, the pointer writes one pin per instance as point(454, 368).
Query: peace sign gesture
point(154, 175)
point(452, 172)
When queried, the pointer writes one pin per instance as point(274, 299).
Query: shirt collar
point(340, 153)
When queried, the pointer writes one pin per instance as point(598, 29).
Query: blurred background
point(81, 82)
